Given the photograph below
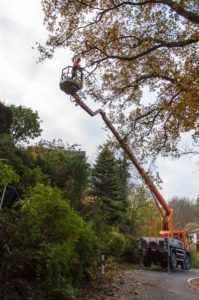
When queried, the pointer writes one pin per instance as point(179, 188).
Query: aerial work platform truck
point(171, 249)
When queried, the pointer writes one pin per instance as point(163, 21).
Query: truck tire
point(147, 262)
point(187, 263)
point(173, 261)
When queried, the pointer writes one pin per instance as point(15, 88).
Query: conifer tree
point(109, 179)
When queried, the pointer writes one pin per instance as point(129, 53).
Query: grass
point(140, 266)
point(194, 259)
point(129, 266)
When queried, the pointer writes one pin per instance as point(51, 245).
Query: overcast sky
point(23, 82)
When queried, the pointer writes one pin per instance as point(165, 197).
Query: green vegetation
point(7, 174)
point(25, 124)
point(195, 257)
point(6, 119)
point(109, 180)
point(45, 245)
point(52, 237)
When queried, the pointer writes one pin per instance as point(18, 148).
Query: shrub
point(194, 257)
point(46, 248)
point(129, 254)
point(116, 243)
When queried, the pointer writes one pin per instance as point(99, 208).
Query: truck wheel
point(147, 262)
point(173, 261)
point(187, 263)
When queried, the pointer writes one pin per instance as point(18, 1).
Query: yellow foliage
point(131, 47)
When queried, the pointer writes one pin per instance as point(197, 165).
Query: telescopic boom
point(71, 86)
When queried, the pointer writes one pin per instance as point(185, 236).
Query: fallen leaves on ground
point(153, 283)
point(111, 288)
point(195, 284)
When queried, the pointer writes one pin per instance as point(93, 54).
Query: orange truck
point(171, 249)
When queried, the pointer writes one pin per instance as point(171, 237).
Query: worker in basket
point(76, 67)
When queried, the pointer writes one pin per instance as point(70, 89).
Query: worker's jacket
point(76, 66)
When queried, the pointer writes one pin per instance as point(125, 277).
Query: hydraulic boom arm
point(167, 214)
point(71, 85)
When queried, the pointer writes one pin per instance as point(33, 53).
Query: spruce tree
point(109, 180)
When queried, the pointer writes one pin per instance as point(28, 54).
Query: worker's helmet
point(76, 59)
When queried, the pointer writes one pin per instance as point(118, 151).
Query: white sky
point(23, 82)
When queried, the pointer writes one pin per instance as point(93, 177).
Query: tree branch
point(175, 44)
point(179, 9)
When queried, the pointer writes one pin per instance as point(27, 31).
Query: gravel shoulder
point(146, 285)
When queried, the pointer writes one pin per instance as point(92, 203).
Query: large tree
point(133, 45)
point(110, 181)
point(143, 213)
point(25, 124)
point(63, 166)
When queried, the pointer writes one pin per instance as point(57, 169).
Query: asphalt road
point(159, 285)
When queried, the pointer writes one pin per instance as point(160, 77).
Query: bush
point(116, 243)
point(47, 248)
point(194, 257)
point(129, 254)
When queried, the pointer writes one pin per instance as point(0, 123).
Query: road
point(158, 285)
point(143, 285)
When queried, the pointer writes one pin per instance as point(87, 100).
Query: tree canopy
point(25, 124)
point(143, 212)
point(133, 46)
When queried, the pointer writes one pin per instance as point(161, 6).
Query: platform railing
point(67, 73)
